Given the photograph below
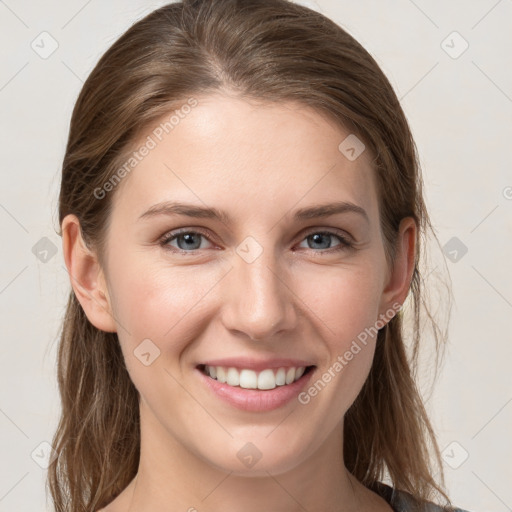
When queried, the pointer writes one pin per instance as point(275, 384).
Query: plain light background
point(450, 64)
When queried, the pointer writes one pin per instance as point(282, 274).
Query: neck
point(172, 477)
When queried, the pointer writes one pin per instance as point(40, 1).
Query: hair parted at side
point(272, 51)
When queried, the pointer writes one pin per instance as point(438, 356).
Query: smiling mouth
point(266, 379)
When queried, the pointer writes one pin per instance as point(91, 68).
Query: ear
point(86, 276)
point(400, 276)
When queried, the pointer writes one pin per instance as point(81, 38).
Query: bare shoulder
point(377, 503)
point(371, 501)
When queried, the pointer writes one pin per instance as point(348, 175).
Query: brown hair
point(273, 51)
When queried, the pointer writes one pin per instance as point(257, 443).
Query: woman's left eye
point(189, 241)
point(322, 238)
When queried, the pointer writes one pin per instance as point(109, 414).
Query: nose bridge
point(260, 303)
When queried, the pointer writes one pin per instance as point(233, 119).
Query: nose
point(257, 300)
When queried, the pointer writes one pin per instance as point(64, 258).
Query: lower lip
point(255, 400)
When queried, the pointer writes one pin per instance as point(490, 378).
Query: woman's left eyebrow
point(328, 209)
point(191, 210)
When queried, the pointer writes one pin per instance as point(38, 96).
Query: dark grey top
point(401, 501)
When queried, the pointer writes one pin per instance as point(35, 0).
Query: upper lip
point(257, 364)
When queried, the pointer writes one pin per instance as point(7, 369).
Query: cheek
point(345, 304)
point(343, 300)
point(159, 302)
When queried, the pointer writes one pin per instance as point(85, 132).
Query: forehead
point(242, 153)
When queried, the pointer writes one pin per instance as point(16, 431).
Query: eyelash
point(345, 242)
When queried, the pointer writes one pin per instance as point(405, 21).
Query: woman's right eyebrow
point(188, 209)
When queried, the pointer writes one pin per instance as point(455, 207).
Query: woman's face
point(254, 278)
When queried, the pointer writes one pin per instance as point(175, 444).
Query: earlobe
point(399, 281)
point(86, 276)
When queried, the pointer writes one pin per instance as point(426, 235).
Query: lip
point(257, 365)
point(254, 400)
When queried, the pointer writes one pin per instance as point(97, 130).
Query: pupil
point(189, 240)
point(316, 236)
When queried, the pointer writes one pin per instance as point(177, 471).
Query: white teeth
point(233, 377)
point(299, 372)
point(290, 375)
point(249, 379)
point(221, 374)
point(281, 377)
point(266, 380)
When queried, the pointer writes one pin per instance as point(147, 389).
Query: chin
point(257, 457)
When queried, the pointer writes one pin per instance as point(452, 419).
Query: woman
point(241, 211)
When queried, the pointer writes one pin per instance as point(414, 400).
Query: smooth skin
point(198, 299)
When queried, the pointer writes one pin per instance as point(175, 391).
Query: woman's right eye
point(186, 241)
